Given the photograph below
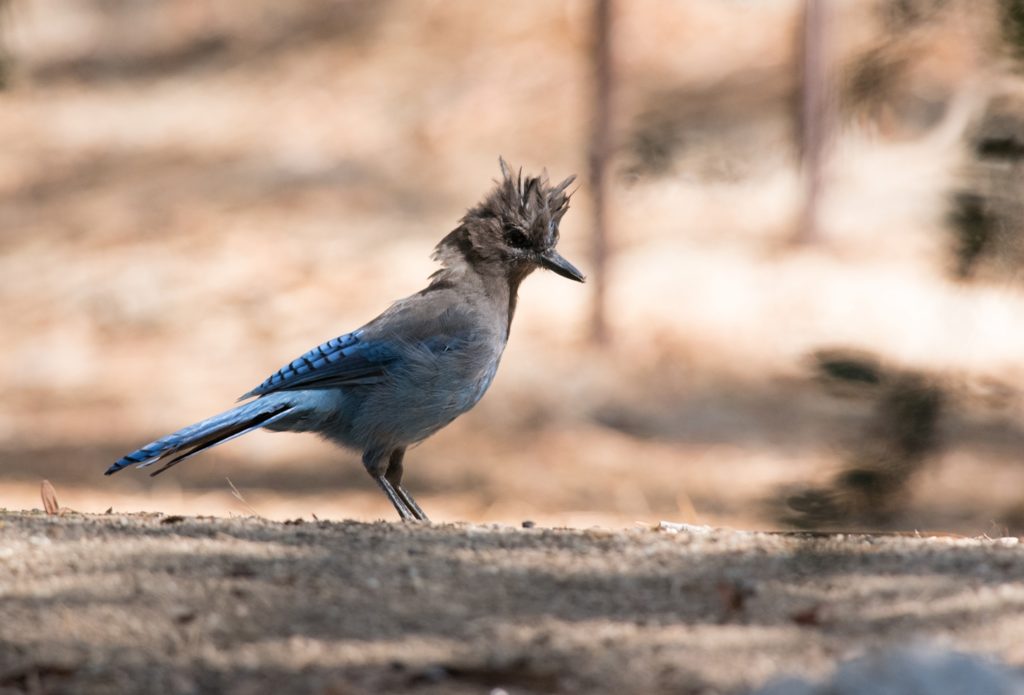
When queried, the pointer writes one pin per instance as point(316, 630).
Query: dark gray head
point(515, 229)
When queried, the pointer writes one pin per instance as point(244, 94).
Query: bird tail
point(206, 434)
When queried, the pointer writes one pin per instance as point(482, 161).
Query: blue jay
point(423, 362)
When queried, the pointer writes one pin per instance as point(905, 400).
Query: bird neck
point(495, 283)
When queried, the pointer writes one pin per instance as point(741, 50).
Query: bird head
point(514, 230)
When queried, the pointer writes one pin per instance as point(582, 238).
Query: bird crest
point(519, 213)
point(529, 198)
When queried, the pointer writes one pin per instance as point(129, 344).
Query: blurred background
point(801, 220)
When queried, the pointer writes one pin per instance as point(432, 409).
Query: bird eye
point(516, 237)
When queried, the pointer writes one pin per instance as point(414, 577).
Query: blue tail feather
point(205, 434)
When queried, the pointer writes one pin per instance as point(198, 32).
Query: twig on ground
point(238, 496)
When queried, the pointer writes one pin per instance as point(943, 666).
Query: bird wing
point(366, 355)
point(342, 361)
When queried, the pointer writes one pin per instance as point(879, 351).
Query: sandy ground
point(153, 603)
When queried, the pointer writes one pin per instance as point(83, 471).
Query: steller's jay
point(423, 362)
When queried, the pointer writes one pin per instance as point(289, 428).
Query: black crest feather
point(527, 198)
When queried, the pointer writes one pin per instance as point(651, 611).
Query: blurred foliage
point(843, 366)
point(973, 228)
point(987, 213)
point(900, 15)
point(1012, 12)
point(216, 38)
point(707, 131)
point(655, 138)
point(897, 440)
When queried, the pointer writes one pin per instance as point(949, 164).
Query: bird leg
point(397, 501)
point(390, 481)
point(394, 476)
point(373, 461)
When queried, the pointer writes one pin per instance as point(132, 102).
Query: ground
point(152, 603)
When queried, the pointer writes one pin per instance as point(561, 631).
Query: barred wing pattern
point(341, 361)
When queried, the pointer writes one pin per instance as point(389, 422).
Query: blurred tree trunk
point(599, 152)
point(816, 112)
point(6, 59)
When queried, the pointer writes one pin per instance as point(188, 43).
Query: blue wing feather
point(340, 361)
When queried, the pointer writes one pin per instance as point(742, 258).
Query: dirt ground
point(154, 603)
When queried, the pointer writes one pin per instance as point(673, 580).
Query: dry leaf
point(49, 495)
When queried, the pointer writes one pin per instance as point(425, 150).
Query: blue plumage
point(204, 434)
point(412, 370)
point(316, 365)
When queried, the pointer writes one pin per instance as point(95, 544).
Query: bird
point(420, 364)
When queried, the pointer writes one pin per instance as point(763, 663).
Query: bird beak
point(552, 260)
